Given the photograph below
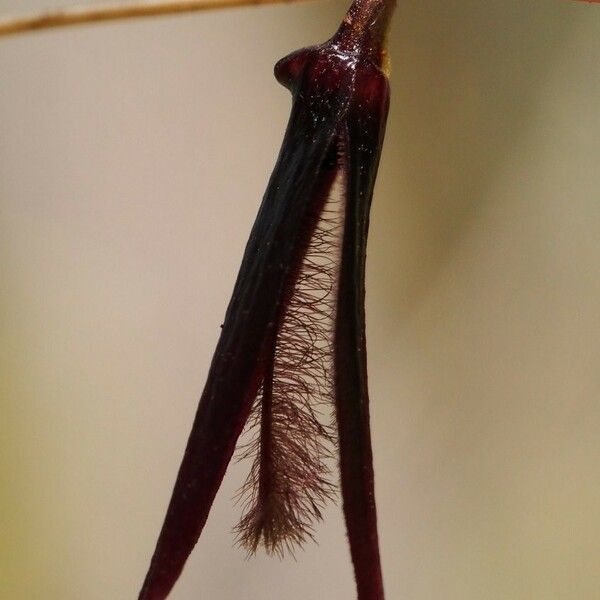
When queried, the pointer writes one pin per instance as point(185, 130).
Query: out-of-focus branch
point(78, 15)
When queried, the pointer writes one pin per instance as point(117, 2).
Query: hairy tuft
point(290, 424)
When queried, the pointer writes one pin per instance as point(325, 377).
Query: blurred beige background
point(132, 161)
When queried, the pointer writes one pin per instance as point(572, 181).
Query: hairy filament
point(288, 483)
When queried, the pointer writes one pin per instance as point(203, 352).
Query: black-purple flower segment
point(293, 339)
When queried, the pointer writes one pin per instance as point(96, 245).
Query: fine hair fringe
point(292, 439)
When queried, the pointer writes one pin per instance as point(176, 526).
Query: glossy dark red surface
point(362, 143)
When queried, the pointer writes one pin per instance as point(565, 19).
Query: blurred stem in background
point(78, 15)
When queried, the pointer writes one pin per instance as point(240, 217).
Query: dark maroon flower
point(294, 332)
